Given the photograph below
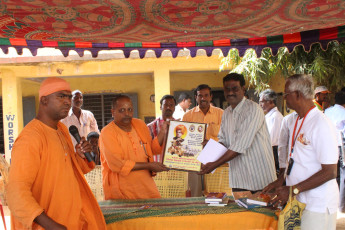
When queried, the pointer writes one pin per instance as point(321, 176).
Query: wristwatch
point(295, 190)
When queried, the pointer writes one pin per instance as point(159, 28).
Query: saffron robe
point(120, 151)
point(47, 175)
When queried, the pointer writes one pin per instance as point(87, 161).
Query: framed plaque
point(183, 145)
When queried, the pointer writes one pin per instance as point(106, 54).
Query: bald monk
point(47, 188)
point(127, 152)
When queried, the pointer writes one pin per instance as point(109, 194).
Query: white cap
point(321, 89)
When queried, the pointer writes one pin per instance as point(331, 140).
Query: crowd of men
point(265, 151)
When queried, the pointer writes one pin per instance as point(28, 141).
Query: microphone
point(73, 130)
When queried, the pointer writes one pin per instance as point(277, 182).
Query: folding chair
point(172, 184)
point(94, 179)
point(4, 169)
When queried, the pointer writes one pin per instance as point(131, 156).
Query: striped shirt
point(244, 131)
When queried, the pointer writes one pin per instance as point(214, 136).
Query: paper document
point(212, 152)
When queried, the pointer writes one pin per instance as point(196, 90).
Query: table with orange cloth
point(183, 213)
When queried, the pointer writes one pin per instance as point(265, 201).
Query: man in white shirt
point(283, 142)
point(313, 157)
point(268, 102)
point(183, 103)
point(82, 119)
point(244, 133)
point(336, 114)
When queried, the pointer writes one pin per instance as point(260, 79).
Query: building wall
point(145, 77)
point(189, 81)
point(140, 84)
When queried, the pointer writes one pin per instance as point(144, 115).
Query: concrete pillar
point(12, 109)
point(162, 86)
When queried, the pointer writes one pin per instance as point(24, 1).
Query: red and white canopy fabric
point(173, 25)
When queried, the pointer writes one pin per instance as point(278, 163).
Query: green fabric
point(118, 210)
point(5, 41)
point(66, 44)
point(206, 43)
point(317, 105)
point(135, 44)
point(279, 39)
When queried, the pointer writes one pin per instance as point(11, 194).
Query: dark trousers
point(276, 159)
point(341, 182)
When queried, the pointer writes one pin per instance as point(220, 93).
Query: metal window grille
point(100, 106)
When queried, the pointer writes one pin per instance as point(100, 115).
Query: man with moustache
point(321, 97)
point(82, 119)
point(46, 187)
point(313, 157)
point(204, 112)
point(244, 132)
point(127, 150)
point(168, 103)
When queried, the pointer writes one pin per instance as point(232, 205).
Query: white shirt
point(336, 114)
point(273, 120)
point(316, 144)
point(244, 130)
point(179, 112)
point(283, 142)
point(86, 123)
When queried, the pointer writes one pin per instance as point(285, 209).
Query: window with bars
point(100, 106)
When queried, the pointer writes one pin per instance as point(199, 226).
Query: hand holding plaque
point(183, 145)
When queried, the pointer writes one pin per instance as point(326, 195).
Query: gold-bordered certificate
point(183, 145)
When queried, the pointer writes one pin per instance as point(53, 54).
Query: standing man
point(204, 112)
point(184, 101)
point(127, 152)
point(168, 103)
point(82, 119)
point(46, 187)
point(336, 114)
point(283, 142)
point(244, 132)
point(313, 157)
point(268, 102)
point(321, 100)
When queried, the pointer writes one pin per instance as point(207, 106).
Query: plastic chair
point(4, 170)
point(94, 179)
point(218, 181)
point(172, 184)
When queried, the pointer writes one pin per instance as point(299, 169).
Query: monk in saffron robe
point(127, 152)
point(47, 188)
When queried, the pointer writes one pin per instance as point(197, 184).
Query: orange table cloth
point(183, 213)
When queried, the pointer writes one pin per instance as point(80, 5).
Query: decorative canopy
point(159, 25)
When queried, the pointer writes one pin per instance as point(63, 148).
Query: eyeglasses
point(285, 94)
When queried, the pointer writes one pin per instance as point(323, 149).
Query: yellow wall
point(277, 83)
point(140, 84)
point(189, 81)
point(120, 76)
point(143, 85)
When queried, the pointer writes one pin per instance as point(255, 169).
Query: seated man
point(127, 150)
point(93, 139)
